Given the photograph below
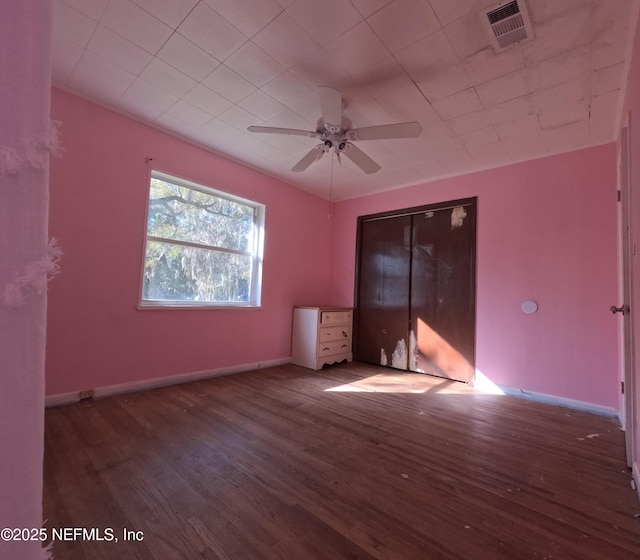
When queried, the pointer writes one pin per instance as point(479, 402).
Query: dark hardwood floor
point(273, 464)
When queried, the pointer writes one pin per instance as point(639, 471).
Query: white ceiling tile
point(358, 49)
point(93, 69)
point(528, 146)
point(248, 16)
point(407, 104)
point(326, 20)
point(442, 144)
point(609, 49)
point(467, 36)
point(171, 12)
point(206, 100)
point(426, 56)
point(558, 34)
point(228, 83)
point(469, 122)
point(428, 168)
point(456, 161)
point(380, 78)
point(363, 110)
point(240, 118)
point(251, 144)
point(444, 82)
point(367, 7)
point(450, 10)
point(65, 56)
point(131, 22)
point(568, 15)
point(505, 88)
point(562, 68)
point(546, 10)
point(489, 155)
point(320, 69)
point(404, 22)
point(567, 92)
point(611, 15)
point(189, 114)
point(479, 137)
point(568, 137)
point(289, 119)
point(138, 110)
point(523, 126)
point(220, 129)
point(512, 110)
point(561, 115)
point(254, 64)
point(486, 65)
point(174, 125)
point(607, 79)
point(287, 144)
point(293, 93)
point(604, 116)
point(190, 59)
point(121, 52)
point(278, 37)
point(167, 77)
point(92, 8)
point(262, 105)
point(142, 93)
point(211, 32)
point(466, 101)
point(71, 24)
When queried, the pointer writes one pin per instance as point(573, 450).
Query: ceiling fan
point(335, 132)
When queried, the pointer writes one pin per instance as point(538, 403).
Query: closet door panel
point(383, 292)
point(442, 295)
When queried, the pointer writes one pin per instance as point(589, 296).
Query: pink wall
point(547, 232)
point(96, 335)
point(632, 107)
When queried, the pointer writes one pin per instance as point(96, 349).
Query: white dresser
point(321, 335)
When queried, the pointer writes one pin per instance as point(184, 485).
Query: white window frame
point(256, 252)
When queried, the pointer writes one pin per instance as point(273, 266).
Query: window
point(203, 247)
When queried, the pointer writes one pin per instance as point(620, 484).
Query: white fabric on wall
point(25, 139)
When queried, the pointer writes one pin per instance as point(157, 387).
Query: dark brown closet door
point(443, 292)
point(415, 289)
point(383, 292)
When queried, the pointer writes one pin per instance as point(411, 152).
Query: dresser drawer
point(333, 348)
point(328, 334)
point(335, 317)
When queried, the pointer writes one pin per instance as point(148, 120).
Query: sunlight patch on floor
point(402, 383)
point(407, 382)
point(483, 384)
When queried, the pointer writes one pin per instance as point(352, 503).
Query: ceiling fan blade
point(274, 130)
point(386, 131)
point(362, 160)
point(330, 105)
point(313, 155)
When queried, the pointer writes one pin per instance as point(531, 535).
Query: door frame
point(445, 205)
point(627, 415)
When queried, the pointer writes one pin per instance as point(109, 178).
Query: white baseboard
point(145, 384)
point(561, 401)
point(635, 473)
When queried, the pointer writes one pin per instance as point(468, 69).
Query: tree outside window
point(203, 247)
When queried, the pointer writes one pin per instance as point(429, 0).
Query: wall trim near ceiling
point(560, 401)
point(155, 383)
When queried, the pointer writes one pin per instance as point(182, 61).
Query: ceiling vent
point(508, 24)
